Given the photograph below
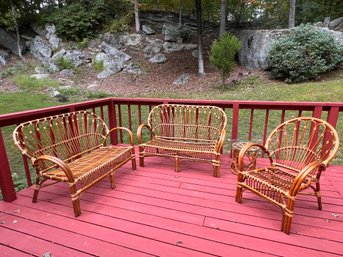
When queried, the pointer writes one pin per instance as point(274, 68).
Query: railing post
point(333, 116)
point(6, 181)
point(112, 122)
point(235, 119)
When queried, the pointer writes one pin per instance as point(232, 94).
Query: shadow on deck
point(157, 212)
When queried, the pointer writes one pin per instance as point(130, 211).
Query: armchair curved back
point(300, 141)
point(186, 122)
point(66, 136)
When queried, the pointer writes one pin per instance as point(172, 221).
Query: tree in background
point(9, 19)
point(291, 17)
point(223, 52)
point(137, 20)
point(201, 69)
point(223, 17)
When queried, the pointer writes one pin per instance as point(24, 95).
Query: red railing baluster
point(6, 181)
point(251, 123)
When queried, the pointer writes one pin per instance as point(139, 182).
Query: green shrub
point(64, 63)
point(222, 54)
point(120, 24)
point(77, 20)
point(303, 54)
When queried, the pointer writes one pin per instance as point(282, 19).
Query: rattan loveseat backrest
point(187, 121)
point(300, 141)
point(66, 136)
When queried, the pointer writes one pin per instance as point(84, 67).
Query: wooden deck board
point(156, 212)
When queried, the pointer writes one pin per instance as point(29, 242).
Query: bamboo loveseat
point(184, 132)
point(71, 148)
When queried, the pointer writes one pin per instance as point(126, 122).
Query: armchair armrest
point(61, 164)
point(303, 174)
point(246, 148)
point(120, 128)
point(139, 132)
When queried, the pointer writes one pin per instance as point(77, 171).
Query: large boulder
point(4, 57)
point(38, 29)
point(158, 58)
point(148, 30)
point(337, 24)
point(256, 44)
point(132, 39)
point(51, 36)
point(75, 57)
point(8, 41)
point(40, 49)
point(172, 47)
point(114, 52)
point(172, 32)
point(255, 47)
point(114, 40)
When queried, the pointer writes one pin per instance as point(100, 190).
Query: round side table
point(251, 155)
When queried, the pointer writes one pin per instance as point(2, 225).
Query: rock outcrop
point(8, 41)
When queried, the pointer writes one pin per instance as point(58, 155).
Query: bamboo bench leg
point(177, 164)
point(112, 181)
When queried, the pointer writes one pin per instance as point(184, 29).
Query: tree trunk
point(291, 18)
point(201, 69)
point(181, 4)
point(222, 28)
point(15, 22)
point(137, 21)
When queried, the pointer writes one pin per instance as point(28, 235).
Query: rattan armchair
point(299, 150)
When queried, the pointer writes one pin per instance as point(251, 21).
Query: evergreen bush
point(222, 54)
point(304, 53)
point(77, 20)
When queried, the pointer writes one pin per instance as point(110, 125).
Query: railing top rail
point(18, 117)
point(22, 116)
point(228, 103)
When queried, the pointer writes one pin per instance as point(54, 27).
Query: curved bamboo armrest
point(139, 132)
point(298, 183)
point(220, 142)
point(120, 128)
point(61, 164)
point(246, 148)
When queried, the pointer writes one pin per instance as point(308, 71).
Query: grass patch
point(98, 66)
point(25, 82)
point(64, 63)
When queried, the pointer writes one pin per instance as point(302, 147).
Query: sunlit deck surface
point(157, 212)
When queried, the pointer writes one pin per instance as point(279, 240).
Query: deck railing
point(247, 120)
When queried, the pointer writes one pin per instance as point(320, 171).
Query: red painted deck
point(157, 212)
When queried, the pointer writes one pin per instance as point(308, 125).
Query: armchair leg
point(287, 217)
point(37, 188)
point(286, 222)
point(35, 195)
point(141, 156)
point(239, 193)
point(319, 197)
